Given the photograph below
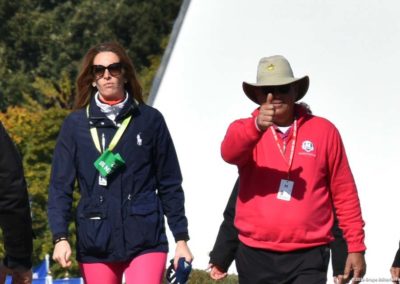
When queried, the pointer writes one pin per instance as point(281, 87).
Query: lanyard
point(116, 138)
point(292, 147)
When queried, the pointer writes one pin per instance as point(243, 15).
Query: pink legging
point(146, 268)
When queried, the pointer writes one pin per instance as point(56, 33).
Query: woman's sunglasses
point(114, 69)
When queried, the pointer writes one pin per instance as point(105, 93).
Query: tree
point(46, 39)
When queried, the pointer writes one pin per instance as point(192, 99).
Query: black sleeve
point(339, 250)
point(15, 216)
point(226, 244)
point(396, 261)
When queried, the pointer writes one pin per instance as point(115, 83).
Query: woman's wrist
point(59, 240)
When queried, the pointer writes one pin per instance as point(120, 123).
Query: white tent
point(350, 50)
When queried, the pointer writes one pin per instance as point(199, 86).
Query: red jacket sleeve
point(239, 142)
point(344, 194)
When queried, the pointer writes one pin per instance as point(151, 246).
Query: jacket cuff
point(251, 129)
point(359, 247)
point(182, 237)
point(58, 236)
point(221, 262)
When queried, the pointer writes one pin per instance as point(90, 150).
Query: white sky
point(350, 50)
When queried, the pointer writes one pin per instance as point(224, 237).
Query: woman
point(122, 155)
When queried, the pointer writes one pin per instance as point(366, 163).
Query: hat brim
point(251, 89)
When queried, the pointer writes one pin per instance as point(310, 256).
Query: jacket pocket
point(144, 222)
point(94, 232)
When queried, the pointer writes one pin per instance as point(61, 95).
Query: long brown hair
point(85, 78)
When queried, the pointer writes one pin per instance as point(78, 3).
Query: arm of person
point(240, 139)
point(15, 217)
point(170, 191)
point(395, 269)
point(227, 241)
point(347, 207)
point(61, 187)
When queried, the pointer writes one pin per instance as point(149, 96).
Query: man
point(227, 242)
point(294, 175)
point(15, 218)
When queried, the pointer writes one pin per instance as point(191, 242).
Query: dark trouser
point(258, 266)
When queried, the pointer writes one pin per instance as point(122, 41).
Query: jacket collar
point(130, 108)
point(96, 116)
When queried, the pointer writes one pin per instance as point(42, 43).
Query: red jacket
point(320, 172)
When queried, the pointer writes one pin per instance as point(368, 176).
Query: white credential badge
point(285, 190)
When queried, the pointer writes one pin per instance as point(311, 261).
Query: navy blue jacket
point(125, 218)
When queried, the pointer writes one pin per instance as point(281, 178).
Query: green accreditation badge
point(108, 162)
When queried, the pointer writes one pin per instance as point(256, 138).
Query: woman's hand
point(182, 250)
point(62, 254)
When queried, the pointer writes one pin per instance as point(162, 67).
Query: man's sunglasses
point(115, 70)
point(284, 89)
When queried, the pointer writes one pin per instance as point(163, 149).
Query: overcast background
point(350, 50)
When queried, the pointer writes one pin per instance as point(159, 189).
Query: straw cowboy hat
point(275, 71)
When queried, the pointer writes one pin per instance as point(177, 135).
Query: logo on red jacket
point(307, 146)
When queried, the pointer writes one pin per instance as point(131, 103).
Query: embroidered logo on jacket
point(307, 146)
point(139, 139)
point(308, 149)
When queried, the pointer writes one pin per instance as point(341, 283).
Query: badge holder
point(285, 190)
point(106, 164)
